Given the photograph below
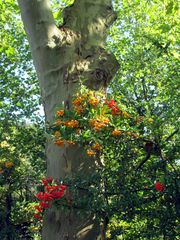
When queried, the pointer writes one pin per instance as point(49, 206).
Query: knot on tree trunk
point(90, 62)
point(95, 70)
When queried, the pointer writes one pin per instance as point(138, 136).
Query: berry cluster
point(159, 186)
point(91, 120)
point(53, 190)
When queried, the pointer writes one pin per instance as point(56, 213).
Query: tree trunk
point(8, 224)
point(62, 56)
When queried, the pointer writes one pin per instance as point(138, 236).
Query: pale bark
point(61, 57)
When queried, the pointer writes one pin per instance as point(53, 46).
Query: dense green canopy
point(145, 41)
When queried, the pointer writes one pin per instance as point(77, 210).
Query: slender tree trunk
point(9, 233)
point(62, 56)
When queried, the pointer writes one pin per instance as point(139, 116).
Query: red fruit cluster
point(114, 108)
point(52, 191)
point(159, 186)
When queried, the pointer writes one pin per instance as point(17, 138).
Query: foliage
point(19, 87)
point(21, 135)
point(119, 189)
point(145, 40)
point(57, 8)
point(21, 167)
point(92, 120)
point(123, 192)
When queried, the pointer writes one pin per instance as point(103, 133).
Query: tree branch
point(168, 138)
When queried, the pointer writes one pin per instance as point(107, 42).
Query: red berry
point(36, 215)
point(159, 186)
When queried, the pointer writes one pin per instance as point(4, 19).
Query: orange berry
point(98, 124)
point(9, 164)
point(57, 134)
point(79, 109)
point(97, 146)
point(93, 101)
point(58, 123)
point(60, 113)
point(59, 143)
point(90, 152)
point(77, 101)
point(135, 135)
point(72, 123)
point(106, 121)
point(92, 122)
point(116, 133)
point(71, 142)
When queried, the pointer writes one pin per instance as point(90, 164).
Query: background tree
point(144, 39)
point(146, 45)
point(21, 128)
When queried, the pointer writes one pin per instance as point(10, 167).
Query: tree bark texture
point(8, 224)
point(62, 56)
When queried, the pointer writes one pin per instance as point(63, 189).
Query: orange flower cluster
point(81, 104)
point(93, 101)
point(58, 123)
point(9, 164)
point(57, 134)
point(6, 165)
point(79, 109)
point(90, 152)
point(99, 124)
point(71, 123)
point(116, 133)
point(71, 143)
point(135, 135)
point(60, 113)
point(93, 150)
point(59, 143)
point(77, 101)
point(97, 146)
